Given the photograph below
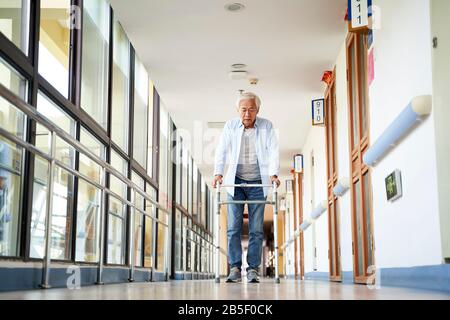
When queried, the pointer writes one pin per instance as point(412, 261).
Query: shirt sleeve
point(221, 151)
point(274, 152)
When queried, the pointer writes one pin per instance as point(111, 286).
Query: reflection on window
point(115, 184)
point(178, 242)
point(94, 78)
point(61, 213)
point(164, 158)
point(140, 113)
point(138, 221)
point(121, 87)
point(89, 197)
point(51, 111)
point(161, 241)
point(150, 129)
point(116, 231)
point(149, 226)
point(10, 192)
point(54, 43)
point(63, 186)
point(14, 22)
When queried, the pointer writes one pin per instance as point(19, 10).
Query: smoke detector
point(238, 74)
point(253, 81)
point(234, 7)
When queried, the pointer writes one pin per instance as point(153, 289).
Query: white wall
point(441, 97)
point(315, 142)
point(406, 232)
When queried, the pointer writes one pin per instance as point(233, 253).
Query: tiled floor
point(206, 289)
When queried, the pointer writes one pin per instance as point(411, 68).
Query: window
point(150, 130)
point(94, 78)
point(138, 221)
point(178, 168)
point(120, 87)
point(178, 241)
point(203, 202)
point(140, 113)
point(117, 212)
point(195, 191)
point(63, 186)
point(54, 43)
point(116, 231)
point(189, 185)
point(164, 159)
point(149, 227)
point(89, 197)
point(11, 163)
point(14, 22)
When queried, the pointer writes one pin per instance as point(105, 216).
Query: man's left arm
point(274, 155)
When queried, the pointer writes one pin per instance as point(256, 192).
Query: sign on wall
point(298, 163)
point(393, 184)
point(318, 112)
point(289, 186)
point(359, 13)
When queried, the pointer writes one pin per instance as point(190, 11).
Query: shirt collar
point(256, 123)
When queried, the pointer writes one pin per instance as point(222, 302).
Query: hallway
point(208, 290)
point(152, 140)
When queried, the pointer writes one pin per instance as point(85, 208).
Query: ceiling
point(189, 47)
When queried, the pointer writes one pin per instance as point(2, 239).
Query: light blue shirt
point(229, 147)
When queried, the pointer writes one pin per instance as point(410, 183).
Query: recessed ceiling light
point(238, 66)
point(235, 7)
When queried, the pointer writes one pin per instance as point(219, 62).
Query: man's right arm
point(221, 155)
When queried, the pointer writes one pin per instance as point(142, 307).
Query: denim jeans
point(256, 226)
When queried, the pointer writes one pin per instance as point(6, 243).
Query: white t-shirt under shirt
point(248, 167)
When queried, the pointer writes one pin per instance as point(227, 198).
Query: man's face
point(248, 112)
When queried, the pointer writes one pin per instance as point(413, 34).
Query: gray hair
point(248, 96)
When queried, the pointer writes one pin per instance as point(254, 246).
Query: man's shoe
point(252, 276)
point(235, 275)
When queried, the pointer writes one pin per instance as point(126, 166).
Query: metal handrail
point(53, 163)
point(218, 203)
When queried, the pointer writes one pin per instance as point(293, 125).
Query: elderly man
point(252, 149)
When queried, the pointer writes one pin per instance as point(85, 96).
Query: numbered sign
point(289, 186)
point(318, 112)
point(359, 13)
point(298, 163)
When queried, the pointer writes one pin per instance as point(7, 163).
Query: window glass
point(151, 125)
point(184, 182)
point(117, 214)
point(14, 22)
point(63, 186)
point(164, 158)
point(54, 43)
point(61, 213)
point(140, 113)
point(115, 184)
point(11, 162)
point(138, 221)
point(178, 242)
point(89, 197)
point(149, 226)
point(178, 163)
point(194, 191)
point(121, 87)
point(64, 152)
point(94, 77)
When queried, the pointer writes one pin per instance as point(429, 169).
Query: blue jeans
point(256, 226)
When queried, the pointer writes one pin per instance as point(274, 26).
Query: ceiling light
point(235, 7)
point(238, 75)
